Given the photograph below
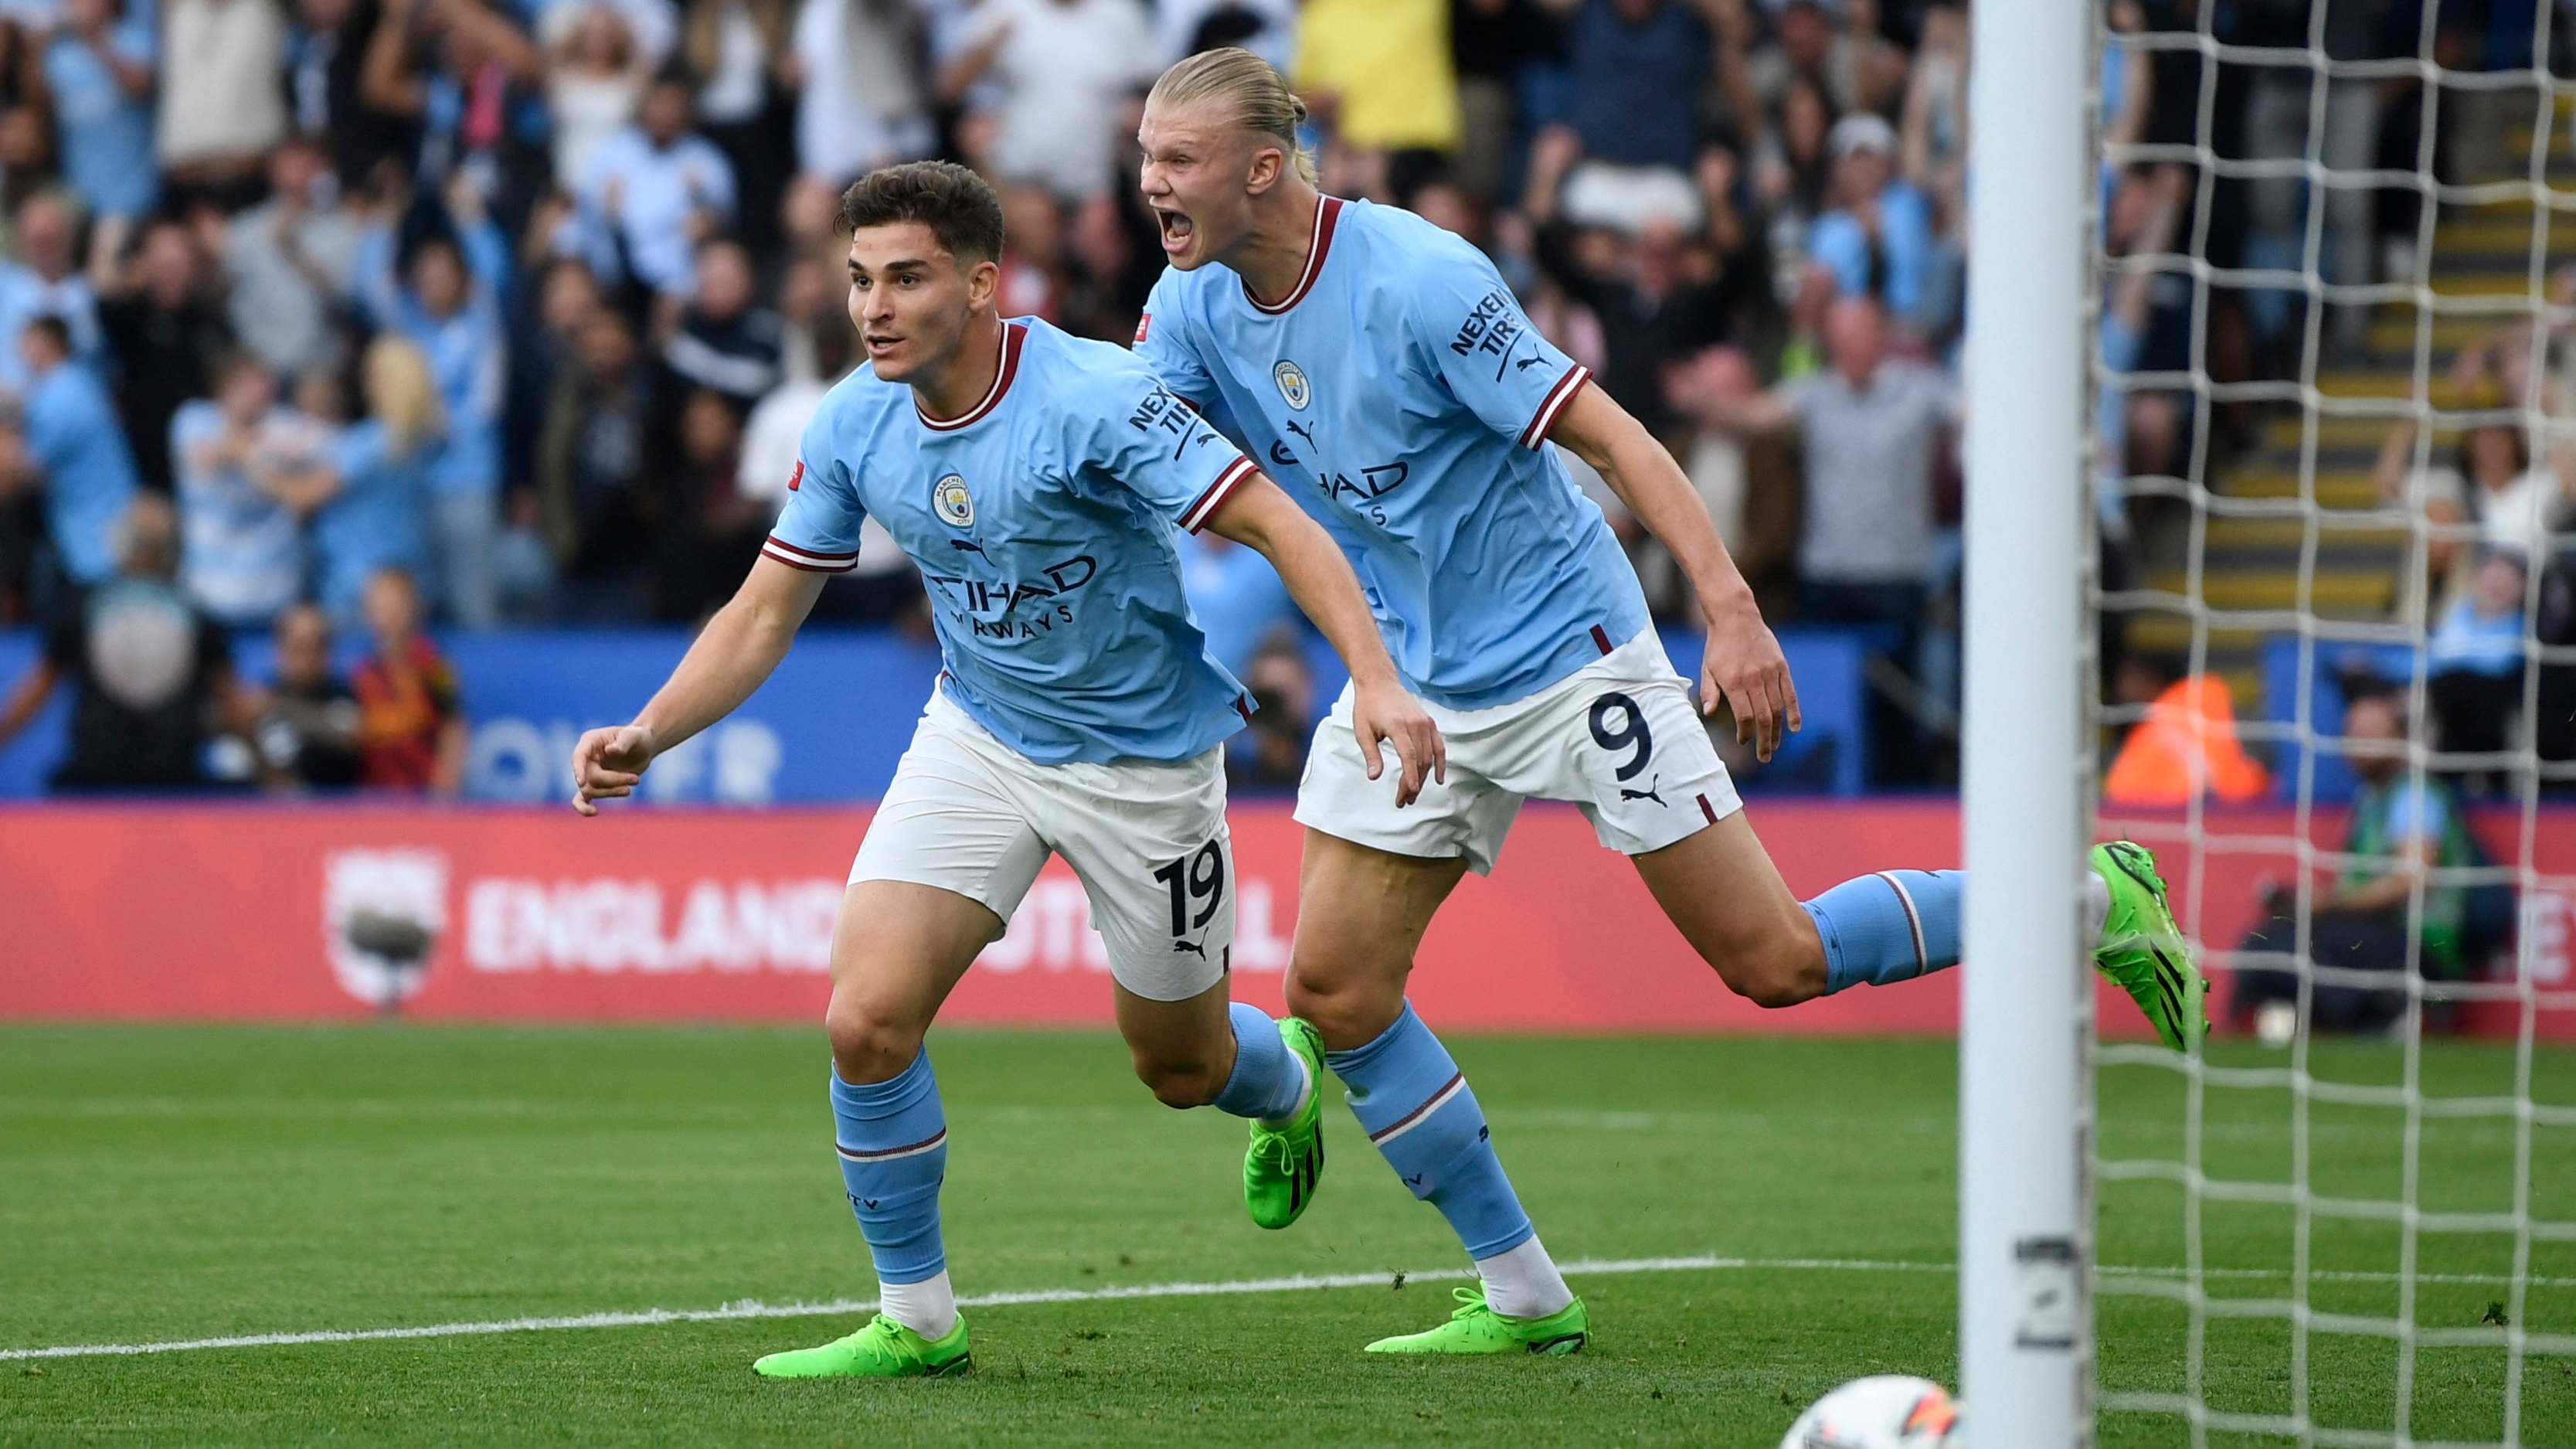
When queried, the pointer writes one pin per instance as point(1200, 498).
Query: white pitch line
point(753, 1308)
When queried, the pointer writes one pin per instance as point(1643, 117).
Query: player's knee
point(1305, 1001)
point(1345, 1016)
point(1771, 991)
point(1179, 1083)
point(866, 1047)
point(1783, 968)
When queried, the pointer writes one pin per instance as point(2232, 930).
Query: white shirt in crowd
point(862, 106)
point(1064, 69)
point(220, 95)
point(734, 91)
point(2514, 518)
point(586, 110)
point(653, 24)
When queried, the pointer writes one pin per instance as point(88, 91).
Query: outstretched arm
point(1260, 517)
point(1743, 660)
point(1760, 413)
point(730, 658)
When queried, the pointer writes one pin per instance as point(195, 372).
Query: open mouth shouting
point(1177, 229)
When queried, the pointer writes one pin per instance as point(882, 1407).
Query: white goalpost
point(2025, 1313)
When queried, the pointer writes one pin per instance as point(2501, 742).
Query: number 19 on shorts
point(1195, 878)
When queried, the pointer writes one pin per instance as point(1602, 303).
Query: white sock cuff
point(1523, 1282)
point(928, 1307)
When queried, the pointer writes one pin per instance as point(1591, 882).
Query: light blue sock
point(1889, 927)
point(1268, 1081)
point(893, 1141)
point(1417, 1108)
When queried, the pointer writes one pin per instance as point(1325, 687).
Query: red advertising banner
point(504, 914)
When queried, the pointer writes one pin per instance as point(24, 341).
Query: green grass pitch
point(177, 1183)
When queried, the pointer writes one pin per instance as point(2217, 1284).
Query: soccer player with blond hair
point(1384, 372)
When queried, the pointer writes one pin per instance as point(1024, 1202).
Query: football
point(1884, 1411)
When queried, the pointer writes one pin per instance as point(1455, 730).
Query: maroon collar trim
point(1013, 337)
point(1328, 214)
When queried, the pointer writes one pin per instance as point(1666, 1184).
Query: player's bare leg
point(897, 951)
point(1183, 1050)
point(1362, 914)
point(1724, 895)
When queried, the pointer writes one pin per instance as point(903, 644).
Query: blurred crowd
point(528, 300)
point(525, 302)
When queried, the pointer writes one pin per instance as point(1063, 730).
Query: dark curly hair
point(960, 208)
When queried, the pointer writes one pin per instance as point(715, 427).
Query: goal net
point(2334, 445)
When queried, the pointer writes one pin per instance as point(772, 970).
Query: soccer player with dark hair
point(1036, 479)
point(1385, 370)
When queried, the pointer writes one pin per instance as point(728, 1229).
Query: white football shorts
point(1618, 738)
point(969, 814)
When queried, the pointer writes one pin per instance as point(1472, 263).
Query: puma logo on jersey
point(1192, 947)
point(1646, 794)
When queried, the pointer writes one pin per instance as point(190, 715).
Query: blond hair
point(400, 393)
point(1258, 97)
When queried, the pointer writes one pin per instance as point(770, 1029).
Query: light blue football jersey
point(1400, 395)
point(1042, 522)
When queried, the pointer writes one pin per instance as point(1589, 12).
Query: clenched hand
point(607, 763)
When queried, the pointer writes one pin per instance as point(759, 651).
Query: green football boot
point(1475, 1328)
point(1281, 1168)
point(2143, 950)
point(884, 1349)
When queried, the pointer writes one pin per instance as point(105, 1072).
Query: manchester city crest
point(1292, 384)
point(950, 500)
